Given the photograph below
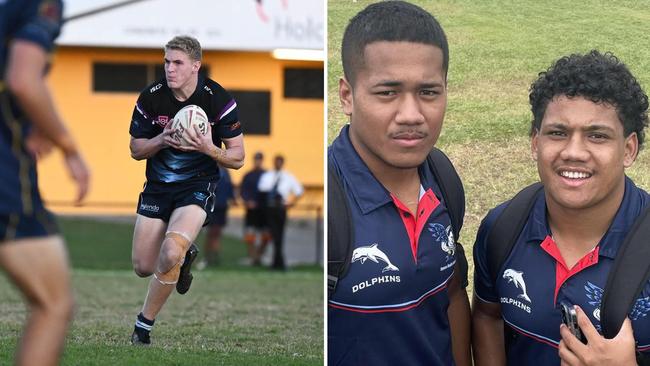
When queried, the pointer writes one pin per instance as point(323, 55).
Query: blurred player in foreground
point(31, 250)
point(181, 181)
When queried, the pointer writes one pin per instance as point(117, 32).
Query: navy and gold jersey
point(157, 106)
point(38, 22)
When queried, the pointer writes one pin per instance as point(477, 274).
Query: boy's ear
point(346, 96)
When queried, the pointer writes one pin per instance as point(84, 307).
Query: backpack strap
point(340, 234)
point(508, 226)
point(628, 276)
point(451, 187)
point(452, 190)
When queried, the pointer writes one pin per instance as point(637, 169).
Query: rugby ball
point(188, 117)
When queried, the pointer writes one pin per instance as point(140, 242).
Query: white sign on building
point(249, 25)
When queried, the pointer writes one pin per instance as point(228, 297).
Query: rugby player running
point(178, 195)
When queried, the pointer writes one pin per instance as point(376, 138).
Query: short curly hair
point(601, 78)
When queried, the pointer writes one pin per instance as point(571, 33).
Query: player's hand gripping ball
point(186, 118)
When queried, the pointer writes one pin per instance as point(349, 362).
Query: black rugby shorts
point(159, 200)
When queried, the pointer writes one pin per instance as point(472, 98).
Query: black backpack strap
point(508, 226)
point(642, 359)
point(627, 277)
point(454, 195)
point(451, 187)
point(340, 234)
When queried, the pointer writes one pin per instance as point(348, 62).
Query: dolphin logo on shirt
point(518, 278)
point(374, 254)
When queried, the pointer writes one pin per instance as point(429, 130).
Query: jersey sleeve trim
point(141, 110)
point(227, 109)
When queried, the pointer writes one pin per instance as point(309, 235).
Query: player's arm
point(24, 76)
point(488, 344)
point(296, 192)
point(231, 156)
point(459, 320)
point(25, 80)
point(144, 148)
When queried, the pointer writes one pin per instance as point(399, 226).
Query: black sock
point(143, 325)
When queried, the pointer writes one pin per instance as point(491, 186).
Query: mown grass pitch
point(231, 316)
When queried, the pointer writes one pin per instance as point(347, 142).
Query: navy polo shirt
point(534, 279)
point(391, 307)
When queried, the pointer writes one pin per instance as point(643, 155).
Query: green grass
point(231, 316)
point(107, 245)
point(497, 48)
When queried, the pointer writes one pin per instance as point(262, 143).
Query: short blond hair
point(187, 44)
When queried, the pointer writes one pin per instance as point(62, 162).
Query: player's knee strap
point(170, 277)
point(169, 266)
point(180, 237)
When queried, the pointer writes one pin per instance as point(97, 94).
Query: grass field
point(231, 316)
point(497, 48)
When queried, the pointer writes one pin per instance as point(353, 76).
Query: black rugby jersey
point(157, 106)
point(38, 22)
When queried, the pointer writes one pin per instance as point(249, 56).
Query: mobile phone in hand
point(570, 319)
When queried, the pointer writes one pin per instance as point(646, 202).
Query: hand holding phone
point(570, 319)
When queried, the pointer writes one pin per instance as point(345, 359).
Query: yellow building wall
point(100, 123)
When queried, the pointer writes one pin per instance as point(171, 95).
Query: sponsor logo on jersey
point(516, 303)
point(375, 255)
point(200, 196)
point(208, 89)
point(375, 280)
point(445, 237)
point(594, 295)
point(517, 278)
point(235, 126)
point(162, 120)
point(152, 208)
point(156, 87)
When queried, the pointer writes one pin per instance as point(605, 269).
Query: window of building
point(128, 77)
point(303, 83)
point(116, 77)
point(254, 108)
